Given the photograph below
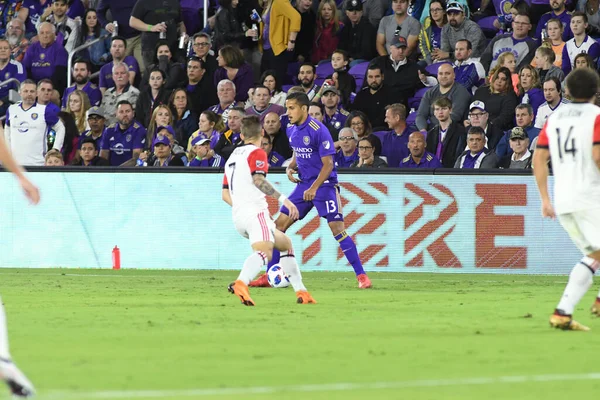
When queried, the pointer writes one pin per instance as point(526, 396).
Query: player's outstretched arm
point(226, 196)
point(540, 170)
point(9, 163)
point(265, 186)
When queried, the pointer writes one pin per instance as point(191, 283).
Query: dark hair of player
point(300, 98)
point(582, 83)
point(251, 128)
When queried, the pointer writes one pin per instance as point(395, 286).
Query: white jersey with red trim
point(569, 134)
point(244, 162)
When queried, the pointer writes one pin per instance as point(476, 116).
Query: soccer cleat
point(596, 308)
point(16, 381)
point(261, 281)
point(364, 282)
point(566, 323)
point(240, 289)
point(304, 297)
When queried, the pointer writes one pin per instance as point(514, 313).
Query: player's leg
point(329, 205)
point(290, 267)
point(18, 383)
point(259, 230)
point(582, 232)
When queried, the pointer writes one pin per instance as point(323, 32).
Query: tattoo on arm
point(264, 186)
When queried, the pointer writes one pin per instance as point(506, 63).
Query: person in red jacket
point(328, 28)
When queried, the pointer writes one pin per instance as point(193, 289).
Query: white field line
point(332, 387)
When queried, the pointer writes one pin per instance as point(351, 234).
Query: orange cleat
point(566, 323)
point(364, 282)
point(261, 281)
point(596, 308)
point(304, 297)
point(240, 289)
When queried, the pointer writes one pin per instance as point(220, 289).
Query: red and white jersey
point(569, 134)
point(244, 162)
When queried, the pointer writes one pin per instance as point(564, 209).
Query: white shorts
point(584, 229)
point(256, 228)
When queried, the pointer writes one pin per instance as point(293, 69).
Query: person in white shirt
point(554, 100)
point(571, 139)
point(27, 127)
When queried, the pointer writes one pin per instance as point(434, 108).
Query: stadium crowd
point(398, 83)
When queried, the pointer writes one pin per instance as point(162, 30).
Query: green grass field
point(90, 334)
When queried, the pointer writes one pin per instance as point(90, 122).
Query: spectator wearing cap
point(469, 72)
point(477, 155)
point(357, 35)
point(459, 27)
point(81, 76)
point(518, 42)
point(449, 88)
point(47, 58)
point(521, 156)
point(348, 152)
point(479, 117)
point(524, 117)
point(118, 51)
point(396, 25)
point(499, 98)
point(88, 154)
point(401, 75)
point(124, 140)
point(120, 10)
point(275, 159)
point(163, 155)
point(65, 26)
point(443, 138)
point(200, 86)
point(308, 27)
point(96, 122)
point(374, 97)
point(335, 117)
point(204, 157)
point(261, 98)
point(554, 100)
point(123, 91)
point(430, 37)
point(419, 157)
point(394, 144)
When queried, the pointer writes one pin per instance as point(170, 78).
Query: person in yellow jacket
point(277, 37)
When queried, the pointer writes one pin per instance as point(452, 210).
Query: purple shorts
point(327, 201)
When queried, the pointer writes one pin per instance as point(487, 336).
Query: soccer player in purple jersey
point(17, 382)
point(317, 184)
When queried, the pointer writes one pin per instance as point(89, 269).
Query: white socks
point(580, 281)
point(252, 266)
point(288, 263)
point(4, 353)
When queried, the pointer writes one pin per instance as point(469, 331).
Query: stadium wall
point(400, 222)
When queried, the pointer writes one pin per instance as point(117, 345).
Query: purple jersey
point(13, 69)
point(122, 143)
point(106, 80)
point(76, 9)
point(310, 142)
point(94, 94)
point(43, 61)
point(427, 161)
point(35, 12)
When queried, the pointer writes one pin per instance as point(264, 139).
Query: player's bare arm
point(265, 186)
point(324, 174)
point(596, 155)
point(291, 170)
point(226, 196)
point(540, 170)
point(9, 163)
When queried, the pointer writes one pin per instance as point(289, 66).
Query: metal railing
point(78, 49)
point(205, 12)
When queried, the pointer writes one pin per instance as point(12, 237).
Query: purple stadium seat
point(433, 68)
point(487, 23)
point(285, 88)
point(324, 70)
point(412, 117)
point(380, 134)
point(291, 74)
point(413, 102)
point(359, 70)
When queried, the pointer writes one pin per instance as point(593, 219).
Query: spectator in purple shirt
point(348, 152)
point(118, 51)
point(8, 69)
point(394, 144)
point(81, 76)
point(419, 157)
point(120, 11)
point(233, 67)
point(47, 58)
point(261, 99)
point(30, 13)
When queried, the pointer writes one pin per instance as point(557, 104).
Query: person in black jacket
point(358, 35)
point(163, 60)
point(200, 86)
point(443, 138)
point(151, 96)
point(89, 154)
point(308, 27)
point(228, 26)
point(375, 96)
point(185, 121)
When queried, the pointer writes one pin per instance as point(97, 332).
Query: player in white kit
point(244, 189)
point(571, 139)
point(17, 382)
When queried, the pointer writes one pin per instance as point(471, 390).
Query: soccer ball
point(277, 277)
